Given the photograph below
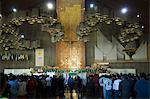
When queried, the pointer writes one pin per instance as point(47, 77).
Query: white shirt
point(84, 82)
point(101, 81)
point(108, 84)
point(48, 81)
point(116, 84)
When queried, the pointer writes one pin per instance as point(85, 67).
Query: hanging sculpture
point(11, 39)
point(56, 31)
point(129, 31)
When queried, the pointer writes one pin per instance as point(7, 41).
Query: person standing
point(116, 85)
point(96, 84)
point(71, 84)
point(14, 86)
point(102, 87)
point(48, 86)
point(108, 87)
point(61, 86)
point(142, 88)
point(125, 87)
point(90, 85)
point(4, 86)
point(22, 92)
point(43, 81)
point(79, 87)
point(54, 85)
point(32, 87)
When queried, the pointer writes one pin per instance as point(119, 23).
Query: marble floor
point(75, 95)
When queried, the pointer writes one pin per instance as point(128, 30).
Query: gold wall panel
point(70, 55)
point(70, 52)
point(70, 14)
point(70, 18)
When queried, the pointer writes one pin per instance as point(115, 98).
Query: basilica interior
point(74, 49)
point(74, 34)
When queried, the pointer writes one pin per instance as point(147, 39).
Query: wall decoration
point(14, 57)
point(129, 32)
point(39, 57)
point(56, 31)
point(11, 39)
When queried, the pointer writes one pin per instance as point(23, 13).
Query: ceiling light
point(49, 5)
point(124, 10)
point(0, 15)
point(142, 26)
point(91, 5)
point(14, 10)
point(22, 36)
point(138, 16)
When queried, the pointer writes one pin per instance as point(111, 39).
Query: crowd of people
point(110, 86)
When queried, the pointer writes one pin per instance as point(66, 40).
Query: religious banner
point(39, 57)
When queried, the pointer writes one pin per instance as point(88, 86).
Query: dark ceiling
point(140, 7)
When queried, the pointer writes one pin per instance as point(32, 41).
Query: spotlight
point(22, 36)
point(138, 16)
point(49, 5)
point(91, 5)
point(14, 10)
point(142, 26)
point(0, 15)
point(124, 10)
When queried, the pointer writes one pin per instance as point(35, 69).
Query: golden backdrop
point(70, 52)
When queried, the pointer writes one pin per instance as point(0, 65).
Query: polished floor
point(75, 95)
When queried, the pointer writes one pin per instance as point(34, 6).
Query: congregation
point(113, 86)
